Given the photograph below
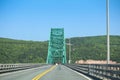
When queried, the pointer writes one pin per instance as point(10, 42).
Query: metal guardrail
point(98, 71)
point(15, 67)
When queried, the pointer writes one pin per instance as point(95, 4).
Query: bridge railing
point(99, 71)
point(14, 67)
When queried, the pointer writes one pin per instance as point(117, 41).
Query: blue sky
point(33, 19)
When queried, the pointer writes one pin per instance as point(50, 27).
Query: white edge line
point(79, 73)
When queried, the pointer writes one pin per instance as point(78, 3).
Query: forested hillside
point(20, 51)
point(95, 48)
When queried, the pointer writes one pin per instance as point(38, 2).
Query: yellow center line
point(43, 73)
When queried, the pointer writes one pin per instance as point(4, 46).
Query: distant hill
point(95, 48)
point(83, 48)
point(20, 51)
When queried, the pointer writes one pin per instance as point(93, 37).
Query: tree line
point(83, 48)
point(95, 48)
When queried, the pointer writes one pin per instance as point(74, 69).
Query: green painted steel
point(56, 48)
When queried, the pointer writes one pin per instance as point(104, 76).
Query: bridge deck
point(60, 72)
point(63, 73)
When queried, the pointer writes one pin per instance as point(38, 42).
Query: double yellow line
point(43, 73)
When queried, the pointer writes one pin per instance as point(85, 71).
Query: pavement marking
point(43, 73)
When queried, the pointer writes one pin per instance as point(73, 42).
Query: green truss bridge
point(57, 48)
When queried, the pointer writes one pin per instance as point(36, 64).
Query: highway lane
point(58, 72)
point(27, 74)
point(62, 72)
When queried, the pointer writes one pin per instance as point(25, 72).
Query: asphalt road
point(64, 73)
point(27, 74)
point(58, 72)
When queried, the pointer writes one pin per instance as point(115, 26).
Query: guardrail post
point(88, 69)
